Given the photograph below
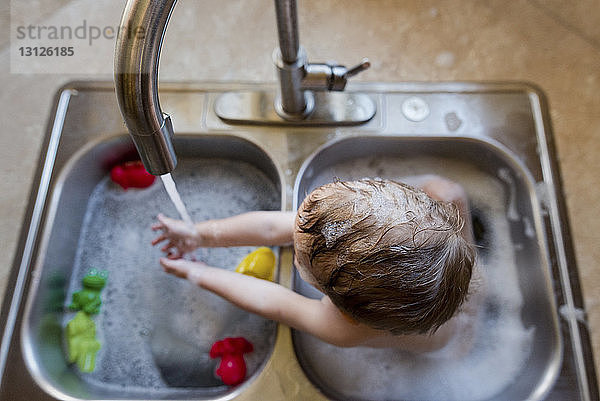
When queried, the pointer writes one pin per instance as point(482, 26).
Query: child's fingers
point(182, 264)
point(180, 267)
point(173, 264)
point(191, 271)
point(159, 239)
point(174, 255)
point(167, 247)
point(157, 226)
point(174, 268)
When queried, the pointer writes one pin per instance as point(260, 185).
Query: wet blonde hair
point(385, 253)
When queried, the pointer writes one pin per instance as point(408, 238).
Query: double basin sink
point(156, 331)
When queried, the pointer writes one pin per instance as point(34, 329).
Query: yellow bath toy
point(259, 263)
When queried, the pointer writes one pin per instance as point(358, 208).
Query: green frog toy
point(81, 342)
point(88, 299)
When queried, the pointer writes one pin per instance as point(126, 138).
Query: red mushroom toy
point(232, 368)
point(131, 175)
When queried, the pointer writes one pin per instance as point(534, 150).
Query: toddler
point(394, 261)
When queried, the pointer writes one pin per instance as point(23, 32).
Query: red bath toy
point(232, 368)
point(131, 175)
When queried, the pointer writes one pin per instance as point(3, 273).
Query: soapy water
point(142, 306)
point(478, 363)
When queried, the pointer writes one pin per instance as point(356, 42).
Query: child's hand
point(182, 238)
point(183, 268)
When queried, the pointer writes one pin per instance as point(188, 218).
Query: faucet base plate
point(330, 109)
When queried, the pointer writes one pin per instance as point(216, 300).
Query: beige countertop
point(545, 42)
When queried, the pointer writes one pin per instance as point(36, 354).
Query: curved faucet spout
point(137, 55)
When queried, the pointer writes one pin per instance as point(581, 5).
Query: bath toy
point(259, 263)
point(81, 342)
point(131, 175)
point(232, 369)
point(88, 299)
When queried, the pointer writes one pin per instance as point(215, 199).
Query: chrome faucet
point(136, 61)
point(297, 77)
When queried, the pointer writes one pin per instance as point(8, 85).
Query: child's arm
point(273, 301)
point(247, 229)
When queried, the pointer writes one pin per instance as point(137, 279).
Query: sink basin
point(156, 330)
point(516, 350)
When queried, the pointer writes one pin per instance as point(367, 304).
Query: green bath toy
point(88, 299)
point(81, 342)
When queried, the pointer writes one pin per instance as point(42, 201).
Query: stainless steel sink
point(156, 331)
point(495, 139)
point(517, 334)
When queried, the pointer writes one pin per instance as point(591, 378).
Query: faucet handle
point(357, 69)
point(340, 74)
point(330, 76)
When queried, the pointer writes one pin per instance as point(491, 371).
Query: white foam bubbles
point(139, 297)
point(333, 230)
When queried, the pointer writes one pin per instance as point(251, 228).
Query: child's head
point(385, 253)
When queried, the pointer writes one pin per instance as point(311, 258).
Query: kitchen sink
point(516, 350)
point(155, 330)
